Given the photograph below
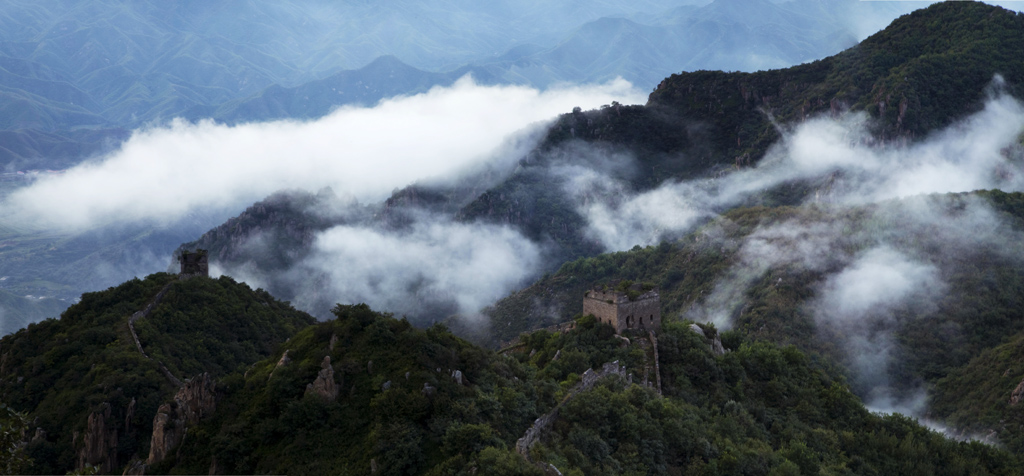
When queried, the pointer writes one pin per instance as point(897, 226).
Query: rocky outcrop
point(195, 400)
point(461, 379)
point(285, 360)
point(716, 346)
point(715, 343)
point(324, 385)
point(99, 442)
point(1018, 394)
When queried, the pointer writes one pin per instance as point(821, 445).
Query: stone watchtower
point(632, 308)
point(194, 263)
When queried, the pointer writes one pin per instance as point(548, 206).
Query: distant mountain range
point(74, 76)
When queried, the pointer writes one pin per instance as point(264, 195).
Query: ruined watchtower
point(625, 307)
point(194, 263)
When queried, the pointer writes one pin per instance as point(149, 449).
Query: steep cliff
point(195, 400)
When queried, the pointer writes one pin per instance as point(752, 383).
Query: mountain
point(924, 72)
point(105, 66)
point(730, 35)
point(816, 279)
point(384, 77)
point(77, 75)
point(92, 390)
point(915, 296)
point(367, 392)
point(920, 74)
point(641, 48)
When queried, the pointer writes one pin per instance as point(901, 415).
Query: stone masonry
point(194, 263)
point(614, 307)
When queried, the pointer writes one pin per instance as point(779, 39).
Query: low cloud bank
point(431, 268)
point(839, 155)
point(163, 173)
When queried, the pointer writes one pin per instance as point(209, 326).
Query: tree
point(12, 449)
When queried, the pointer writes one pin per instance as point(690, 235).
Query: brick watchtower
point(633, 308)
point(194, 263)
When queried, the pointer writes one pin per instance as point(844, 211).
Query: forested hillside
point(400, 400)
point(90, 393)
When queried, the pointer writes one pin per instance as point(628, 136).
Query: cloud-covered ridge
point(840, 155)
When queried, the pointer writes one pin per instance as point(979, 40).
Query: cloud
point(877, 282)
point(810, 246)
point(848, 165)
point(165, 172)
point(978, 152)
point(858, 306)
point(434, 264)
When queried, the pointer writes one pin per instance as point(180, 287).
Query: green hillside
point(959, 342)
point(61, 371)
point(759, 409)
point(366, 391)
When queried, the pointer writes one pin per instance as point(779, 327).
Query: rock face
point(1018, 394)
point(194, 401)
point(716, 346)
point(324, 384)
point(716, 343)
point(100, 442)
